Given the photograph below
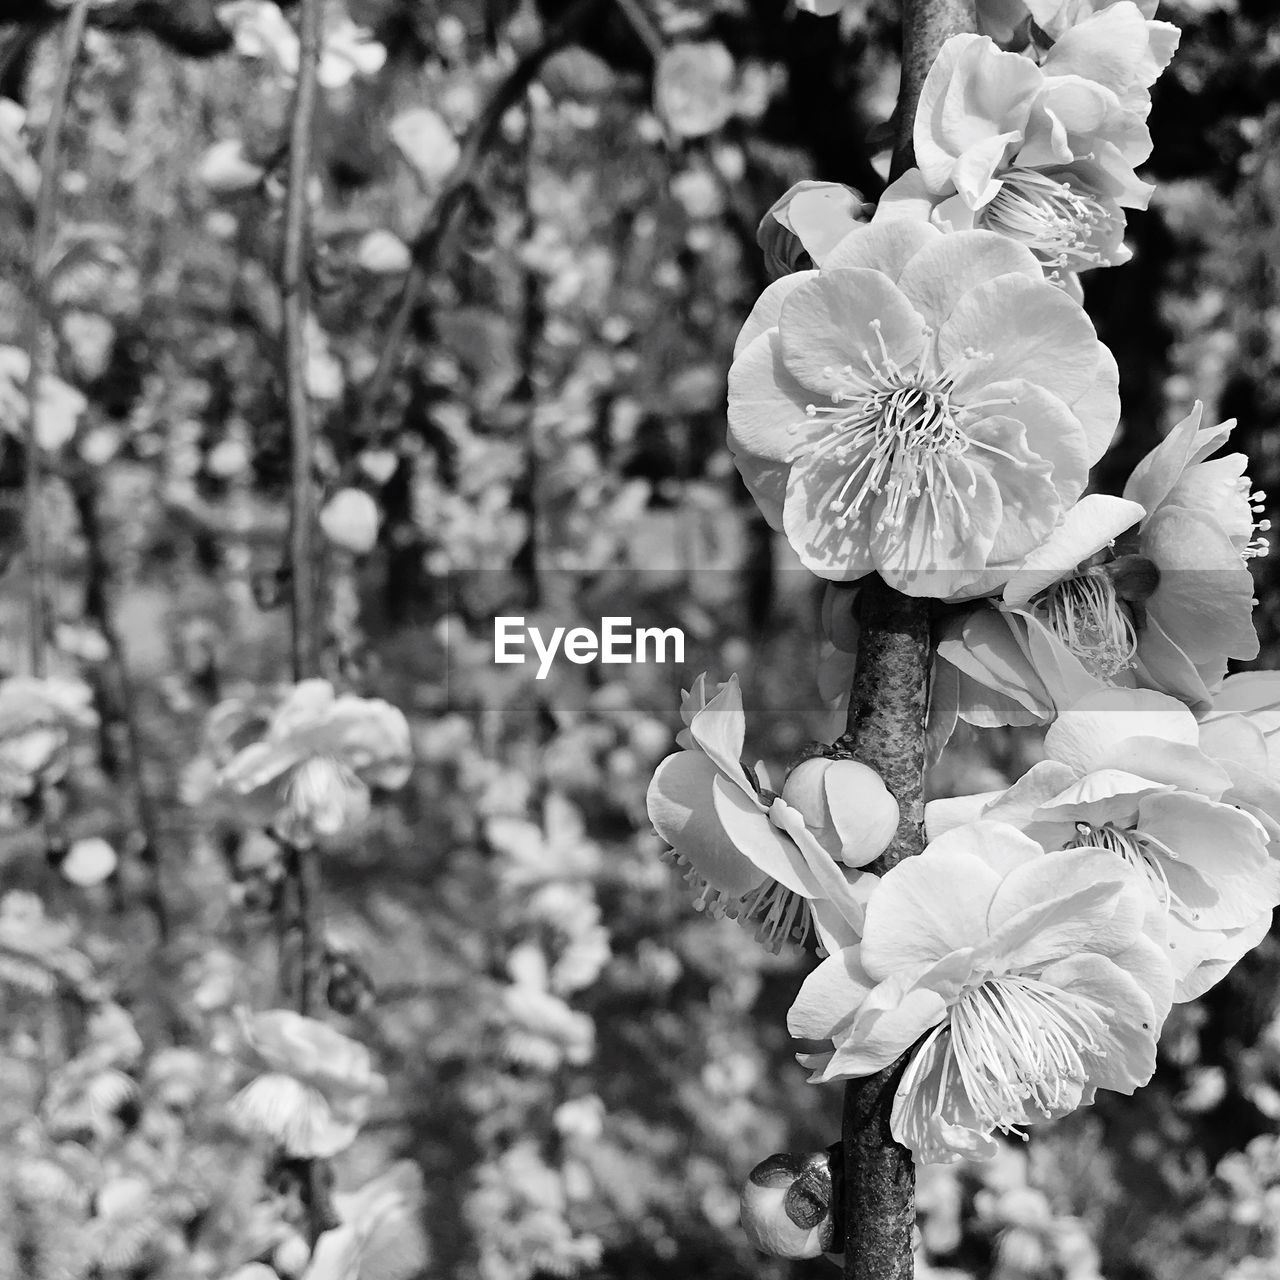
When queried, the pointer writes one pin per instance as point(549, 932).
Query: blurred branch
point(302, 549)
point(41, 251)
point(303, 864)
point(100, 608)
point(429, 244)
point(188, 26)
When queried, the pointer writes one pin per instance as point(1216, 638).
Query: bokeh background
point(583, 1068)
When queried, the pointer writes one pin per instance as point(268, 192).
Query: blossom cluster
point(919, 394)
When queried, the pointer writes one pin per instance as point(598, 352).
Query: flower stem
point(41, 252)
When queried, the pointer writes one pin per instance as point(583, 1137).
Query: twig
point(305, 639)
point(99, 607)
point(303, 864)
point(41, 249)
point(434, 234)
point(888, 705)
point(644, 27)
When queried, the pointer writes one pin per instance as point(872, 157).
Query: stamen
point(778, 914)
point(1018, 1043)
point(1061, 225)
point(1085, 613)
point(1143, 852)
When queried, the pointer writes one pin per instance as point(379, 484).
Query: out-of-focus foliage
point(580, 1069)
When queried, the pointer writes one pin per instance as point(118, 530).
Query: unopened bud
point(845, 805)
point(805, 224)
point(350, 520)
point(787, 1205)
point(224, 168)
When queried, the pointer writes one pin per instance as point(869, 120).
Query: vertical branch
point(888, 705)
point(302, 552)
point(926, 25)
point(41, 251)
point(303, 864)
point(887, 709)
point(99, 607)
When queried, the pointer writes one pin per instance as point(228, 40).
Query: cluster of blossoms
point(920, 395)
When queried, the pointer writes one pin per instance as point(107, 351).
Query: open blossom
point(1045, 153)
point(925, 406)
point(1125, 771)
point(781, 863)
point(59, 406)
point(38, 717)
point(1151, 590)
point(1028, 979)
point(262, 32)
point(999, 19)
point(314, 1088)
point(314, 759)
point(1241, 732)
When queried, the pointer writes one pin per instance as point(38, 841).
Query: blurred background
point(583, 1069)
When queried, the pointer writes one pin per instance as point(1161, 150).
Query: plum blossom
point(38, 718)
point(1241, 732)
point(1028, 979)
point(925, 406)
point(16, 160)
point(1151, 590)
point(312, 761)
point(59, 406)
point(786, 863)
point(1125, 771)
point(262, 33)
point(999, 19)
point(1044, 154)
point(314, 1086)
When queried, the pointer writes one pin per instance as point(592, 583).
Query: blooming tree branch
point(99, 606)
point(436, 232)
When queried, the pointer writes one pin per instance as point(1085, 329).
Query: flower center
point(1018, 1044)
point(1085, 613)
point(1057, 222)
point(778, 914)
point(897, 431)
point(1143, 852)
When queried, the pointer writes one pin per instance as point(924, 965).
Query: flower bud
point(805, 223)
point(291, 1255)
point(787, 1205)
point(845, 805)
point(383, 253)
point(350, 521)
point(88, 862)
point(225, 170)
